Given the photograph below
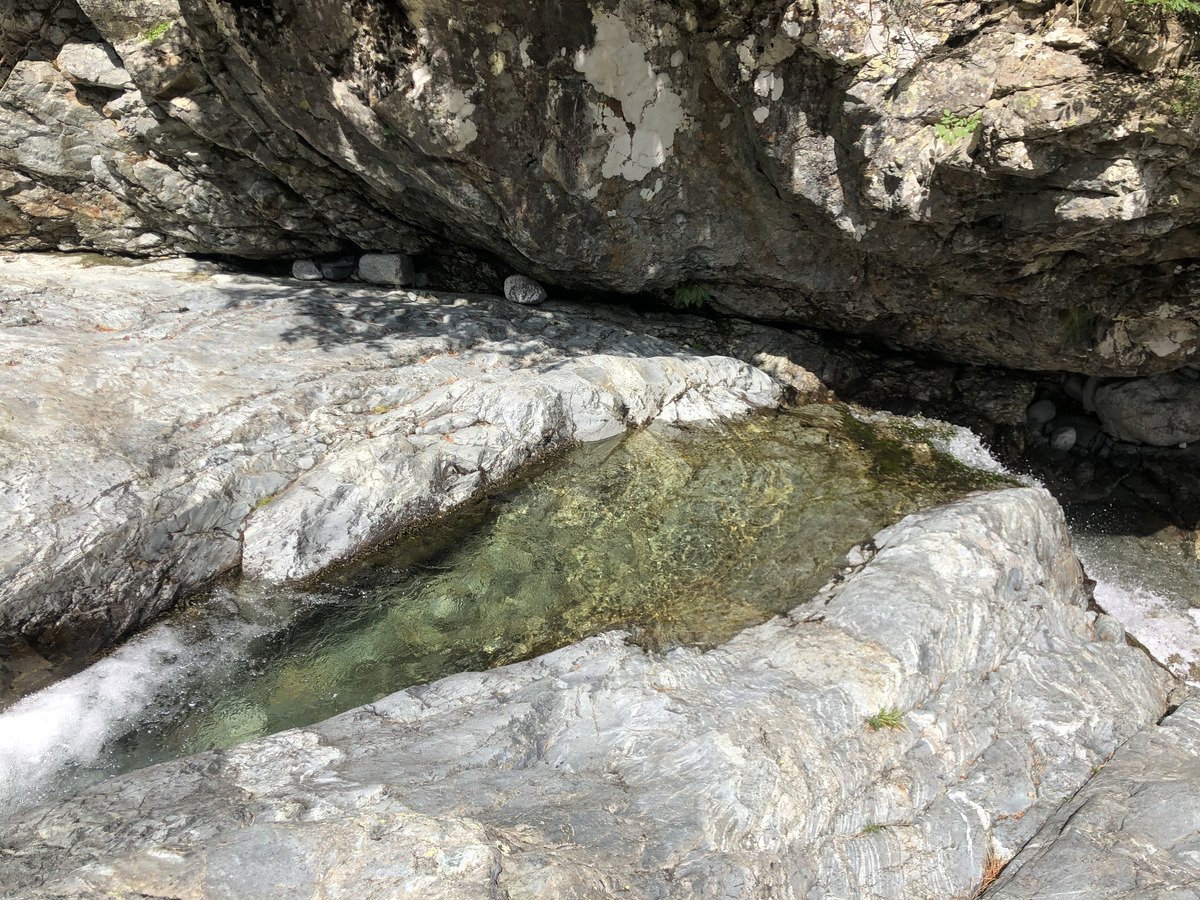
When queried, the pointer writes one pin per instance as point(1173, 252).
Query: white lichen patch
point(650, 112)
point(768, 84)
point(421, 76)
point(449, 108)
point(649, 193)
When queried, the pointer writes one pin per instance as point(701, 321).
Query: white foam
point(68, 723)
point(60, 739)
point(1165, 625)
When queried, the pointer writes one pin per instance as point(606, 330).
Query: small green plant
point(952, 129)
point(1078, 324)
point(263, 501)
point(689, 295)
point(887, 718)
point(871, 828)
point(156, 32)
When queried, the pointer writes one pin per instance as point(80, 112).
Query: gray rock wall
point(1001, 185)
point(595, 771)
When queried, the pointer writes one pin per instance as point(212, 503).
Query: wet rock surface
point(599, 769)
point(998, 185)
point(166, 423)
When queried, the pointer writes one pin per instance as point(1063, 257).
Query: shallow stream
point(676, 537)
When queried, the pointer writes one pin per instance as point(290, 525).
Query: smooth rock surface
point(94, 64)
point(166, 423)
point(1132, 833)
point(306, 270)
point(1163, 410)
point(598, 770)
point(786, 154)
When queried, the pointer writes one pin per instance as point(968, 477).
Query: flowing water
point(676, 537)
point(1147, 577)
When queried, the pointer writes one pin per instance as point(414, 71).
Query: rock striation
point(744, 771)
point(1132, 832)
point(165, 423)
point(1001, 185)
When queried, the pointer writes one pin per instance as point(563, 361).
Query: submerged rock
point(752, 769)
point(168, 423)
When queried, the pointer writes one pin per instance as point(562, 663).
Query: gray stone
point(1132, 833)
point(599, 770)
point(1040, 413)
point(1109, 629)
point(1088, 436)
point(154, 410)
point(94, 64)
point(306, 270)
point(1163, 410)
point(386, 268)
point(523, 290)
point(337, 269)
point(1063, 439)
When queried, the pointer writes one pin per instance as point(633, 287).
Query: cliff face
point(996, 183)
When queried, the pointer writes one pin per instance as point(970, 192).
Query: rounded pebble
point(1063, 439)
point(523, 290)
point(1040, 413)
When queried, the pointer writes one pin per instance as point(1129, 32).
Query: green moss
point(904, 451)
point(1174, 7)
point(153, 34)
point(263, 501)
point(1185, 100)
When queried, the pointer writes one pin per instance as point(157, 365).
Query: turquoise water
point(675, 537)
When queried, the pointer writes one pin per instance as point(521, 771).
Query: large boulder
point(1162, 411)
point(750, 770)
point(1000, 185)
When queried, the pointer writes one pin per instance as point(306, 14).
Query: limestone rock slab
point(599, 770)
point(1132, 832)
point(163, 424)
